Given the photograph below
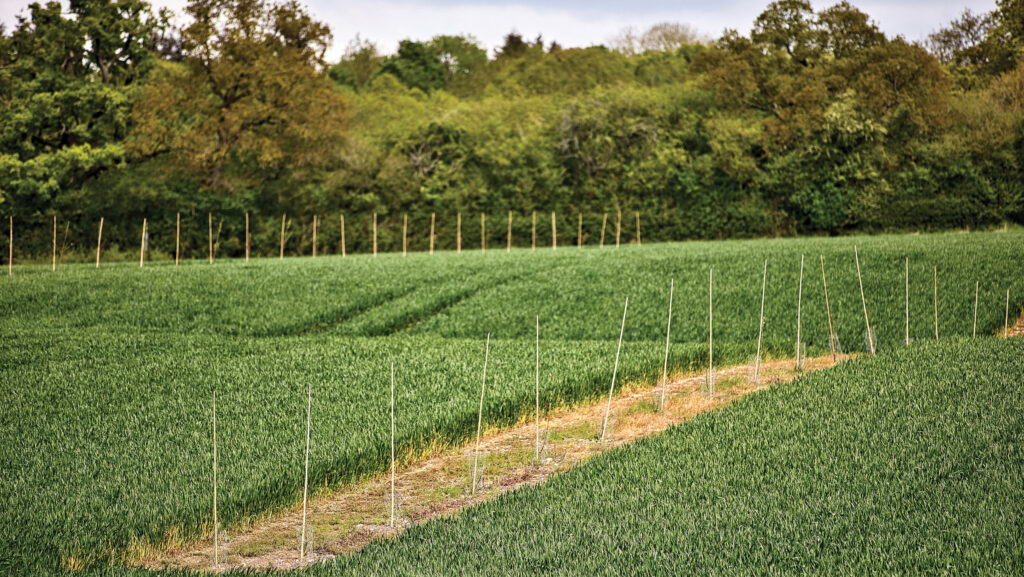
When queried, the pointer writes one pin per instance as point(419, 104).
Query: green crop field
point(906, 464)
point(106, 376)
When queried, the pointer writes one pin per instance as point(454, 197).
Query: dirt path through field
point(347, 519)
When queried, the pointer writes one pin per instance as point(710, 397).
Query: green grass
point(105, 376)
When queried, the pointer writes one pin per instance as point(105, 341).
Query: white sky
point(571, 22)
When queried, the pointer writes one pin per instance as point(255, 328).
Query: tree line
point(812, 122)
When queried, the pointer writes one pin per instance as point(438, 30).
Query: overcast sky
point(572, 22)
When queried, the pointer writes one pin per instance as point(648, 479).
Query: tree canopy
point(813, 121)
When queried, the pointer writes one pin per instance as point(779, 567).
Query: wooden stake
point(284, 218)
point(533, 241)
point(54, 269)
point(554, 233)
point(760, 325)
point(604, 224)
point(828, 311)
point(935, 298)
point(315, 219)
point(711, 331)
point(392, 444)
point(458, 233)
point(305, 483)
point(974, 330)
point(480, 415)
point(537, 377)
point(906, 327)
point(177, 241)
point(10, 250)
point(799, 311)
point(247, 238)
point(142, 245)
point(668, 334)
point(210, 217)
point(342, 235)
point(99, 242)
point(638, 243)
point(867, 323)
point(375, 234)
point(618, 226)
point(483, 234)
point(604, 426)
point(431, 233)
point(216, 543)
point(509, 247)
point(405, 233)
point(579, 232)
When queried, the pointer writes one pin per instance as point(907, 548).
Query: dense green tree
point(251, 101)
point(69, 79)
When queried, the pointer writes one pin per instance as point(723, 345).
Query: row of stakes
point(214, 244)
point(709, 383)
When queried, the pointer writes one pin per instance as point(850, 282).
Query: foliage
point(813, 122)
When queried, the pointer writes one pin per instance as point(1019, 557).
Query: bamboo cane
point(537, 378)
point(760, 325)
point(668, 334)
point(1006, 317)
point(247, 242)
point(392, 444)
point(405, 233)
point(431, 233)
point(711, 331)
point(305, 482)
point(604, 224)
point(828, 311)
point(177, 240)
point(54, 266)
point(579, 232)
point(906, 326)
point(608, 408)
point(480, 415)
point(863, 302)
point(508, 248)
point(799, 311)
point(375, 234)
point(343, 249)
point(483, 233)
point(974, 329)
point(216, 529)
point(458, 233)
point(315, 222)
point(638, 242)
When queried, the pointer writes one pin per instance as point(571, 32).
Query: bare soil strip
point(345, 520)
point(1017, 330)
